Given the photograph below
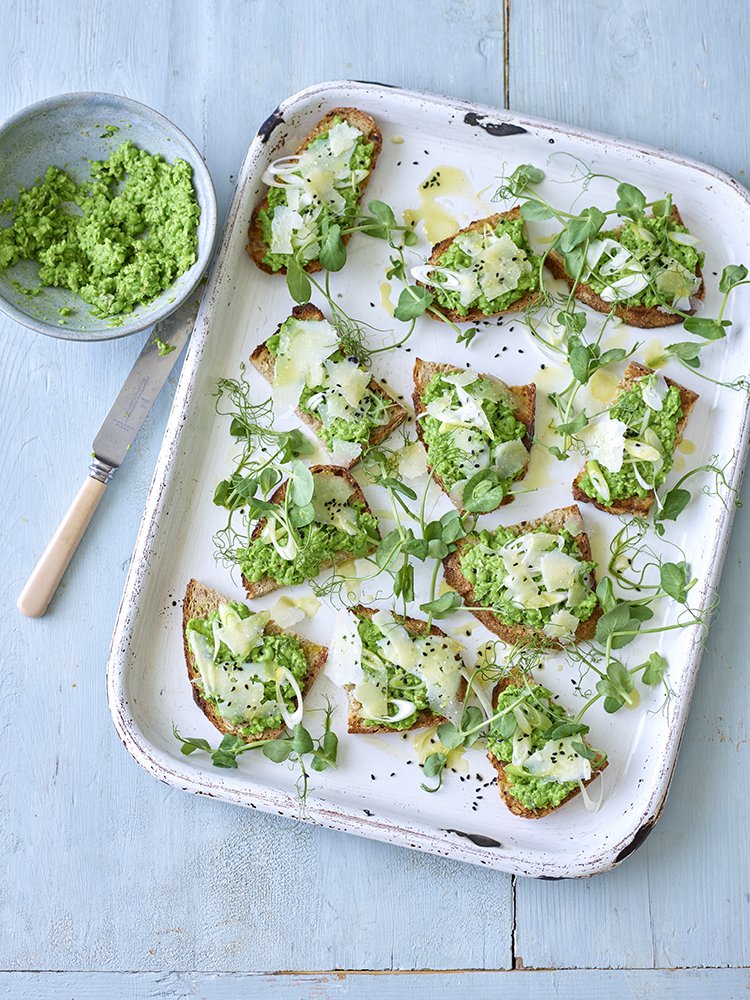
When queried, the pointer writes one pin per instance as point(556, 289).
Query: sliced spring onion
point(426, 272)
point(641, 451)
point(600, 483)
point(281, 168)
point(523, 723)
point(591, 806)
point(291, 719)
point(684, 239)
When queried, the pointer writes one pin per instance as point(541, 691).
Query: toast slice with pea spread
point(478, 571)
point(393, 416)
point(528, 279)
point(645, 317)
point(201, 603)
point(258, 245)
point(428, 716)
point(333, 479)
point(525, 794)
point(637, 504)
point(522, 398)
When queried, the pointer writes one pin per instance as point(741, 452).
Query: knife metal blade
point(142, 386)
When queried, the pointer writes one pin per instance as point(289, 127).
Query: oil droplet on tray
point(603, 385)
point(540, 464)
point(653, 354)
point(549, 379)
point(385, 297)
point(444, 184)
point(427, 742)
point(397, 140)
point(686, 447)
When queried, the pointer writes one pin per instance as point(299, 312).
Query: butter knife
point(163, 347)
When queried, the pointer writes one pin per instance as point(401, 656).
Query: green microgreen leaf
point(583, 751)
point(412, 302)
point(630, 201)
point(709, 329)
point(580, 357)
point(582, 229)
point(564, 729)
point(388, 548)
point(653, 669)
point(574, 322)
point(536, 211)
point(732, 275)
point(191, 743)
point(483, 492)
point(277, 750)
point(383, 213)
point(611, 622)
point(332, 251)
point(297, 281)
point(505, 726)
point(301, 740)
point(449, 736)
point(301, 484)
point(686, 350)
point(519, 180)
point(403, 582)
point(579, 421)
point(675, 580)
point(442, 606)
point(605, 594)
point(615, 686)
point(434, 766)
point(398, 487)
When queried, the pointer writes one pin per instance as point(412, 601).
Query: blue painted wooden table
point(115, 885)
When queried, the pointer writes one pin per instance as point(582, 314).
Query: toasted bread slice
point(355, 723)
point(265, 363)
point(199, 602)
point(265, 585)
point(525, 408)
point(366, 124)
point(476, 314)
point(638, 505)
point(556, 520)
point(503, 783)
point(645, 317)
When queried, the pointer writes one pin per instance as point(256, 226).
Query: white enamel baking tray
point(375, 790)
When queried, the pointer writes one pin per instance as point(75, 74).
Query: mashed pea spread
point(541, 771)
point(252, 678)
point(118, 240)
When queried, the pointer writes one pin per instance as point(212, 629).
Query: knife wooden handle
point(46, 576)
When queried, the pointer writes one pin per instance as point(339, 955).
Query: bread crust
point(265, 585)
point(355, 723)
point(199, 602)
point(638, 505)
point(556, 521)
point(476, 314)
point(524, 410)
point(264, 362)
point(256, 248)
point(503, 783)
point(644, 317)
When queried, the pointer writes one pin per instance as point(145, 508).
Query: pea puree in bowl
point(107, 217)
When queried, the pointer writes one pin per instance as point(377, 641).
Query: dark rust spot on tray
point(476, 838)
point(636, 842)
point(499, 129)
point(270, 125)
